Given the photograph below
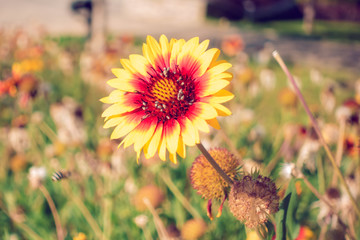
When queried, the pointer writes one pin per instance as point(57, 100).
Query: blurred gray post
point(309, 16)
point(98, 15)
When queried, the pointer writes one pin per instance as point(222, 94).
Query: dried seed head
point(252, 198)
point(204, 177)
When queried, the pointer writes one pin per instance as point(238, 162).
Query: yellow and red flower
point(163, 98)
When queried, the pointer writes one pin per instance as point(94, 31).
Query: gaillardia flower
point(163, 98)
point(206, 180)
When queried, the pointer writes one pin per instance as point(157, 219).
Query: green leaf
point(286, 223)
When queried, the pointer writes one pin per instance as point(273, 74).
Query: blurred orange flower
point(233, 44)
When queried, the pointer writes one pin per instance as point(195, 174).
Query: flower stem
point(315, 191)
point(26, 229)
point(186, 204)
point(340, 148)
point(160, 228)
point(315, 125)
point(85, 212)
point(214, 164)
point(59, 229)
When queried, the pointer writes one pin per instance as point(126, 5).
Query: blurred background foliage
point(50, 119)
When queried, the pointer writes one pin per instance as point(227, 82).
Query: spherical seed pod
point(252, 198)
point(204, 178)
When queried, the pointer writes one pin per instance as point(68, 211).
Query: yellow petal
point(153, 144)
point(153, 46)
point(113, 122)
point(164, 45)
point(200, 124)
point(188, 132)
point(172, 157)
point(201, 48)
point(188, 48)
point(121, 73)
point(123, 85)
point(206, 59)
point(222, 111)
point(214, 123)
point(144, 132)
point(162, 148)
point(148, 54)
point(105, 100)
point(181, 148)
point(220, 68)
point(116, 109)
point(115, 96)
point(214, 86)
point(172, 133)
point(221, 96)
point(127, 65)
point(139, 63)
point(205, 110)
point(125, 126)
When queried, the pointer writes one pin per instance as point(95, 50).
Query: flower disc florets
point(206, 180)
point(163, 98)
point(252, 199)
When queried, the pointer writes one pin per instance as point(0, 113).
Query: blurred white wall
point(129, 16)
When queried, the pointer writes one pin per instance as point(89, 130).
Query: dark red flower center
point(169, 94)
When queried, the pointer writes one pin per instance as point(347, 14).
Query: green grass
point(106, 194)
point(323, 30)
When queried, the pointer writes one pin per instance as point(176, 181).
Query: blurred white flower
point(330, 132)
point(118, 163)
point(250, 165)
point(327, 99)
point(141, 220)
point(307, 154)
point(36, 176)
point(130, 186)
point(327, 215)
point(357, 86)
point(69, 122)
point(267, 79)
point(264, 55)
point(65, 63)
point(19, 139)
point(342, 113)
point(287, 170)
point(253, 89)
point(240, 115)
point(316, 76)
point(37, 117)
point(257, 132)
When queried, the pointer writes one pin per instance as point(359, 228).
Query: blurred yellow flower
point(163, 98)
point(287, 98)
point(80, 236)
point(193, 229)
point(27, 66)
point(252, 235)
point(154, 194)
